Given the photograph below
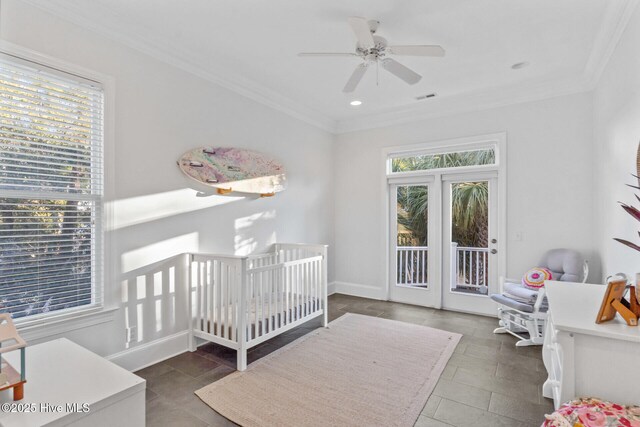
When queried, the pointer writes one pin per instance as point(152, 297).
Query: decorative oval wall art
point(234, 169)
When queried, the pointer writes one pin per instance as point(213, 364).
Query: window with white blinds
point(51, 140)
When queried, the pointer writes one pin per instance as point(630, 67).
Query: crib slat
point(270, 290)
point(201, 300)
point(234, 303)
point(298, 290)
point(287, 285)
point(307, 308)
point(280, 297)
point(226, 289)
point(316, 282)
point(218, 294)
point(223, 306)
point(211, 301)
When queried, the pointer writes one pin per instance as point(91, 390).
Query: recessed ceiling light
point(356, 103)
point(520, 65)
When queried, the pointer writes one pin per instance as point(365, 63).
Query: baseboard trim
point(358, 290)
point(152, 352)
point(331, 288)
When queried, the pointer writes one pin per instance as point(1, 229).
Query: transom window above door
point(411, 162)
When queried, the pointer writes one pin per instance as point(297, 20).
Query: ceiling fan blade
point(312, 54)
point(400, 71)
point(355, 78)
point(417, 50)
point(360, 27)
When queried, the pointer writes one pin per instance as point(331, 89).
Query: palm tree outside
point(469, 202)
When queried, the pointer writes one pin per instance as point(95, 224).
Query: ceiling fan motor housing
point(375, 52)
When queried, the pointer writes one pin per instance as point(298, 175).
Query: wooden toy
point(234, 170)
point(613, 302)
point(11, 341)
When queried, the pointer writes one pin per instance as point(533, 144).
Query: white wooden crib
point(239, 302)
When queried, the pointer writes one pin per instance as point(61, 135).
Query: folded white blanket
point(520, 293)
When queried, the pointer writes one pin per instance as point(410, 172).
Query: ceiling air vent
point(423, 97)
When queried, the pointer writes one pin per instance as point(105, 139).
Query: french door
point(470, 242)
point(444, 242)
point(414, 272)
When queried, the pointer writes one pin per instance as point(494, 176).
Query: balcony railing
point(469, 269)
point(412, 264)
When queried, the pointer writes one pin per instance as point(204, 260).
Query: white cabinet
point(60, 372)
point(584, 359)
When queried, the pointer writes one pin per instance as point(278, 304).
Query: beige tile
point(153, 370)
point(448, 372)
point(482, 361)
point(192, 364)
point(473, 363)
point(486, 342)
point(518, 408)
point(432, 404)
point(461, 347)
point(449, 326)
point(429, 422)
point(460, 415)
point(533, 351)
point(501, 356)
point(487, 381)
point(162, 413)
point(516, 373)
point(463, 393)
point(404, 317)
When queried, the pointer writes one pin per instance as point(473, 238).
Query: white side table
point(582, 358)
point(60, 372)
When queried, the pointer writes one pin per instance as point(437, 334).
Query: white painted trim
point(471, 102)
point(42, 329)
point(614, 24)
point(181, 59)
point(152, 352)
point(331, 288)
point(59, 323)
point(359, 290)
point(499, 139)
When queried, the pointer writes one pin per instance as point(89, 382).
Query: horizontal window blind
point(51, 178)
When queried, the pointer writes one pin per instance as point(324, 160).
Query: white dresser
point(584, 359)
point(61, 373)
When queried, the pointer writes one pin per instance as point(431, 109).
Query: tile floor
point(487, 382)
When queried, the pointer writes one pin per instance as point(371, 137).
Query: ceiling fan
point(374, 49)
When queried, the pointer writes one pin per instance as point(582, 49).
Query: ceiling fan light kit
point(373, 49)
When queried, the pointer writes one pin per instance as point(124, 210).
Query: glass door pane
point(469, 215)
point(412, 224)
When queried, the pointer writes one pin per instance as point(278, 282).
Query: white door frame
point(496, 140)
point(471, 303)
point(432, 295)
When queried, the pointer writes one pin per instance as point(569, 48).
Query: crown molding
point(609, 34)
point(180, 59)
point(468, 103)
point(611, 30)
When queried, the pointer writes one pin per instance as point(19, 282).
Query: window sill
point(46, 327)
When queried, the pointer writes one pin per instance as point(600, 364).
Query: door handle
point(494, 241)
point(494, 251)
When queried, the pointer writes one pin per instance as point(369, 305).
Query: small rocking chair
point(522, 310)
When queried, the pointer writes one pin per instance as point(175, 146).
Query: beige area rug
point(361, 371)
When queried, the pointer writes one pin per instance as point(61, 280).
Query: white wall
point(548, 184)
point(161, 112)
point(616, 138)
